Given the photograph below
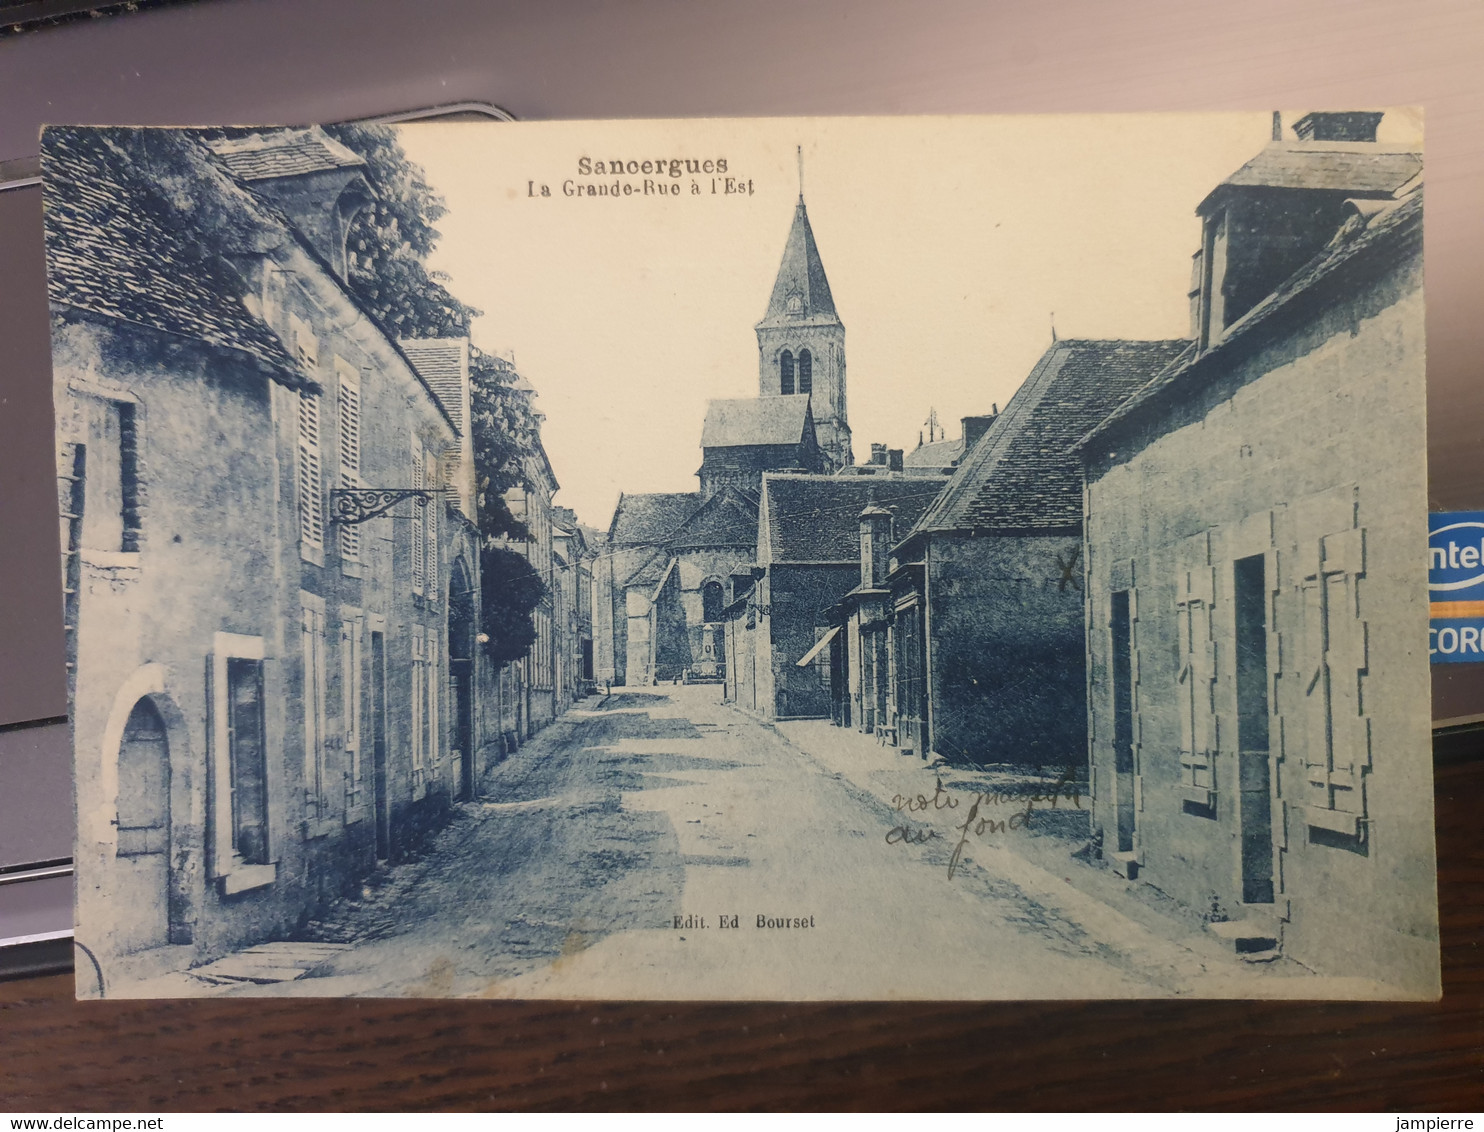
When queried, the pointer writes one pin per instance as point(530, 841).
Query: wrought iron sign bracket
point(352, 505)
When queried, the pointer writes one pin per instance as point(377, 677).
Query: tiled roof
point(444, 366)
point(802, 273)
point(938, 454)
point(120, 247)
point(755, 420)
point(1367, 229)
point(728, 518)
point(651, 518)
point(817, 518)
point(1350, 167)
point(282, 153)
point(1024, 474)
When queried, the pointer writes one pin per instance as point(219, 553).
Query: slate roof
point(282, 153)
point(802, 271)
point(728, 518)
point(444, 366)
point(1368, 229)
point(817, 518)
point(938, 454)
point(118, 247)
point(650, 518)
point(1360, 168)
point(1025, 474)
point(755, 420)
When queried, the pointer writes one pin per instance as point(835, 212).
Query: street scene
point(469, 596)
point(610, 852)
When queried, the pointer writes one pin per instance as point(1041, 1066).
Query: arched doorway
point(461, 641)
point(144, 829)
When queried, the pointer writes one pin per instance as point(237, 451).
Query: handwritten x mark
point(1068, 569)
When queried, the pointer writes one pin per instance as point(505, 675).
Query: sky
point(953, 246)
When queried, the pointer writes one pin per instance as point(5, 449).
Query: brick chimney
point(894, 459)
point(878, 454)
point(875, 545)
point(975, 427)
point(1339, 125)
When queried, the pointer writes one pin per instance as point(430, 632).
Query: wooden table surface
point(57, 1054)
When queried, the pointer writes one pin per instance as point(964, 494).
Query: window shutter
point(419, 689)
point(314, 712)
point(1199, 740)
point(311, 486)
point(1335, 657)
point(435, 746)
point(428, 514)
point(417, 524)
point(350, 453)
point(350, 707)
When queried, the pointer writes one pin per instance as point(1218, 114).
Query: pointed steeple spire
point(801, 293)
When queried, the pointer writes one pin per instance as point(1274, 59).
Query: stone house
point(808, 559)
point(259, 688)
point(533, 681)
point(1255, 518)
point(986, 587)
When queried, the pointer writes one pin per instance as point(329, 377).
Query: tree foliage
point(387, 252)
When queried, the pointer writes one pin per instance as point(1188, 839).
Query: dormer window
point(786, 372)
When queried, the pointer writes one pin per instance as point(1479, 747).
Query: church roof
point(756, 420)
point(651, 572)
point(1025, 473)
point(650, 517)
point(801, 273)
point(728, 518)
point(816, 519)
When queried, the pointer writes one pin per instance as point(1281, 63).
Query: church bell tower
point(801, 340)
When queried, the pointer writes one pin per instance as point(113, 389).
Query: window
point(249, 779)
point(316, 804)
point(349, 404)
point(786, 372)
point(238, 810)
point(111, 497)
point(419, 530)
point(806, 371)
point(352, 636)
point(711, 602)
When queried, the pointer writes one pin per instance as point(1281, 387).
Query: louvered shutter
point(350, 454)
point(1337, 733)
point(429, 516)
point(311, 482)
point(417, 523)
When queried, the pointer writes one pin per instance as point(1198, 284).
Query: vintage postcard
point(485, 576)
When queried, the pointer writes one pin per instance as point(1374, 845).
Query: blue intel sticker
point(1455, 583)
